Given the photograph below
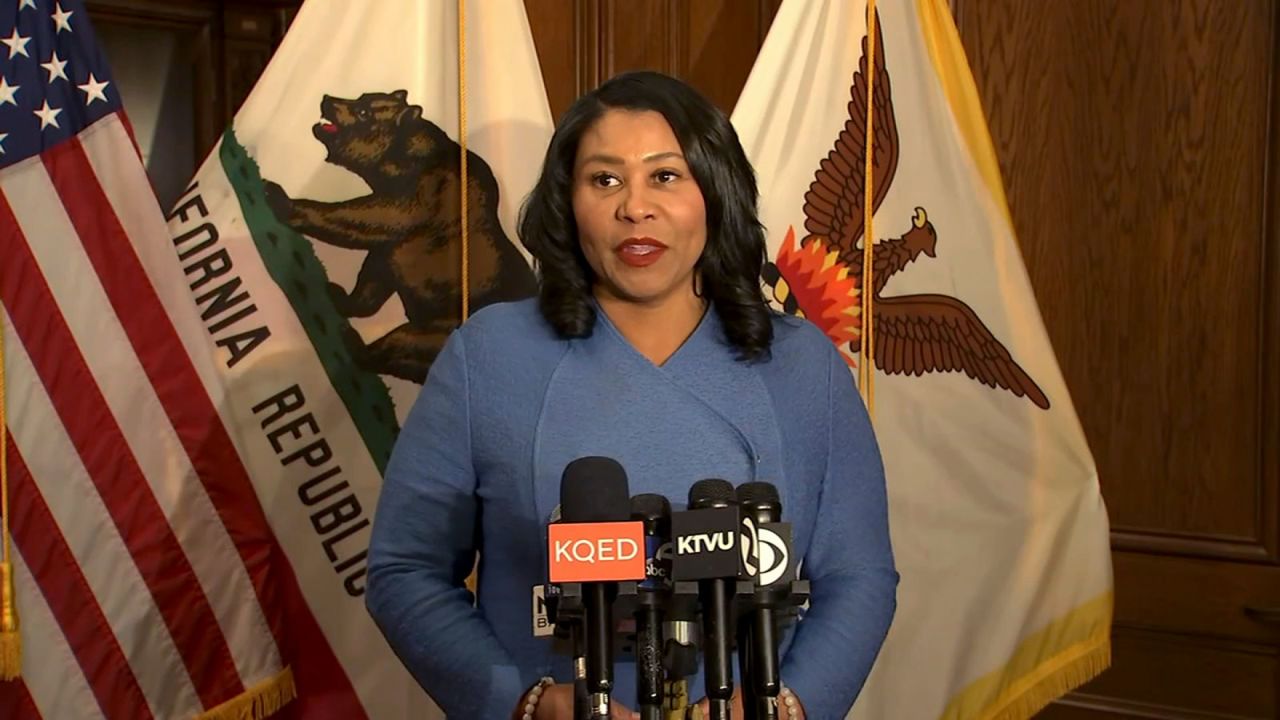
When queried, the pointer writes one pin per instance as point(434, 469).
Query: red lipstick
point(640, 251)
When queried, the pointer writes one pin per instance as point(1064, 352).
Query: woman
point(650, 342)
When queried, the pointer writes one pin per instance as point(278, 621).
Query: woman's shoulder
point(506, 318)
point(509, 332)
point(799, 345)
point(802, 363)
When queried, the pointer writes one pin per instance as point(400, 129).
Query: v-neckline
point(703, 323)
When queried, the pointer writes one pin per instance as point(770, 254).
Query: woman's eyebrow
point(615, 160)
point(668, 155)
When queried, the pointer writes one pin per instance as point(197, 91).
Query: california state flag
point(325, 242)
point(999, 531)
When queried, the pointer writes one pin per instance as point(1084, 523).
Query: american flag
point(149, 583)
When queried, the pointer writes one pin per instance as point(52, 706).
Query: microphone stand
point(581, 698)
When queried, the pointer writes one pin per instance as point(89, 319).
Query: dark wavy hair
point(729, 270)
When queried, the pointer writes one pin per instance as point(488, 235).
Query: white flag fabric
point(998, 527)
point(323, 244)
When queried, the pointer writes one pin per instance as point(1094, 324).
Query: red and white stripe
point(144, 425)
point(98, 585)
point(63, 691)
point(132, 509)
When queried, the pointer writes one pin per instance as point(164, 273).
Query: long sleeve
point(849, 564)
point(423, 546)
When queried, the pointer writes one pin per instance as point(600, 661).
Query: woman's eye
point(604, 180)
point(666, 176)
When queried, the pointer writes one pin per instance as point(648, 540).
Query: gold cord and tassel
point(866, 370)
point(10, 638)
point(465, 288)
point(462, 161)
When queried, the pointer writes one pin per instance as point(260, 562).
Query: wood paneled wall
point(227, 45)
point(213, 52)
point(712, 44)
point(1140, 146)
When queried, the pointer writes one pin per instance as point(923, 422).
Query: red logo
point(595, 552)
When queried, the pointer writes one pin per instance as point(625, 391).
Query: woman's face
point(641, 219)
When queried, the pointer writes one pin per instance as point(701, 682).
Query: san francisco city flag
point(999, 531)
point(199, 414)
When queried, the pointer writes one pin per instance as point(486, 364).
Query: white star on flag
point(48, 116)
point(7, 92)
point(56, 67)
point(27, 4)
point(62, 18)
point(2, 137)
point(17, 44)
point(94, 90)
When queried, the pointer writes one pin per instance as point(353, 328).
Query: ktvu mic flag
point(323, 243)
point(999, 530)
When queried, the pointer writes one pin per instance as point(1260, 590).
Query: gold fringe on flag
point(1057, 681)
point(10, 638)
point(1046, 665)
point(867, 370)
point(260, 701)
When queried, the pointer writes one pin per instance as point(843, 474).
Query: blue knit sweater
point(508, 404)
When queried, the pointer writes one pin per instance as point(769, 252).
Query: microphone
point(766, 558)
point(652, 595)
point(596, 545)
point(680, 653)
point(706, 540)
point(573, 627)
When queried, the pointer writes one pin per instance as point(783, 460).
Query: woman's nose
point(635, 204)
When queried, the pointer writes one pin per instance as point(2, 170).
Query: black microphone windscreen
point(711, 493)
point(650, 507)
point(754, 494)
point(594, 489)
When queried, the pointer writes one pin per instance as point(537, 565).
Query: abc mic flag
point(999, 530)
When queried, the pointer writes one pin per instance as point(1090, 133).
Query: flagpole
point(462, 145)
point(10, 638)
point(472, 580)
point(866, 378)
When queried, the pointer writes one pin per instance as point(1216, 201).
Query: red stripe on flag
point(324, 690)
point(70, 600)
point(16, 702)
point(111, 465)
